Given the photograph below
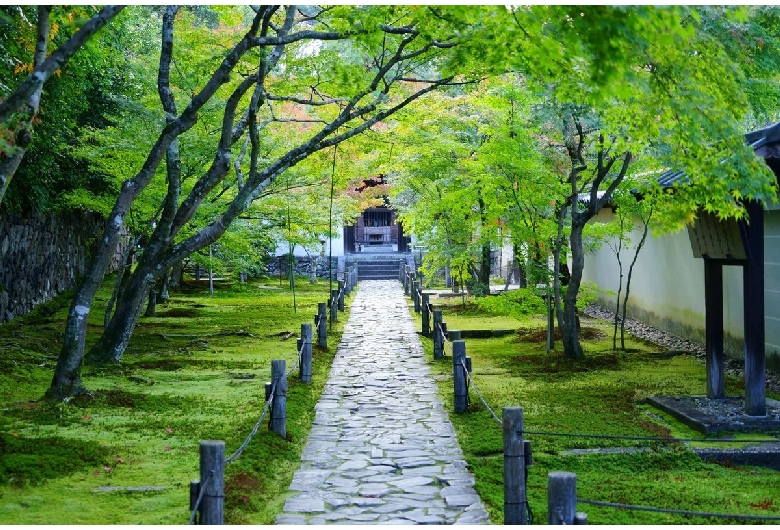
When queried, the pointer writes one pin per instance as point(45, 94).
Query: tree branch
point(55, 61)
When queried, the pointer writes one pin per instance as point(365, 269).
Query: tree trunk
point(628, 278)
point(175, 277)
point(151, 304)
point(558, 253)
point(484, 267)
point(162, 294)
point(569, 332)
point(67, 374)
point(113, 342)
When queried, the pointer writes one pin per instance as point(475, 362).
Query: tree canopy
point(494, 123)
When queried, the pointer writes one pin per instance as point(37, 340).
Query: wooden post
point(334, 305)
point(341, 295)
point(426, 316)
point(753, 288)
point(194, 492)
point(515, 495)
point(713, 315)
point(306, 353)
point(459, 376)
point(561, 497)
point(416, 297)
point(322, 326)
point(278, 421)
point(212, 479)
point(438, 345)
point(406, 280)
point(401, 271)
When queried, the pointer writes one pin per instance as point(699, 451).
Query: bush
point(516, 304)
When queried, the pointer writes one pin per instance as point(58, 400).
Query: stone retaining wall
point(41, 256)
point(302, 266)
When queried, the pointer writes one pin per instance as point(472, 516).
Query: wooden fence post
point(406, 280)
point(561, 497)
point(322, 327)
point(194, 492)
point(426, 316)
point(401, 271)
point(306, 336)
point(341, 295)
point(417, 296)
point(334, 305)
point(438, 345)
point(515, 495)
point(212, 478)
point(459, 376)
point(278, 421)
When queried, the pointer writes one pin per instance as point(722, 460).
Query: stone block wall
point(302, 266)
point(41, 256)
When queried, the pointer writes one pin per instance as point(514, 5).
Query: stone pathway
point(382, 449)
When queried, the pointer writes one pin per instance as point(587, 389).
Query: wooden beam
point(753, 281)
point(713, 309)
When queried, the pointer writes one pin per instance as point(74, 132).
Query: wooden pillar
point(713, 310)
point(459, 376)
point(515, 496)
point(753, 283)
point(322, 325)
point(334, 305)
point(416, 296)
point(212, 478)
point(561, 497)
point(278, 421)
point(401, 270)
point(341, 295)
point(438, 345)
point(426, 316)
point(306, 336)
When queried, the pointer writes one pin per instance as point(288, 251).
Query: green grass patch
point(601, 394)
point(194, 371)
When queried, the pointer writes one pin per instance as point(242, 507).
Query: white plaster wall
point(667, 289)
point(337, 243)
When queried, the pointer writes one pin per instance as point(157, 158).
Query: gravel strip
point(735, 367)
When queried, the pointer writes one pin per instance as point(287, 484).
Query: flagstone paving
point(382, 449)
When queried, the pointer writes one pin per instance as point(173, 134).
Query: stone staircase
point(376, 266)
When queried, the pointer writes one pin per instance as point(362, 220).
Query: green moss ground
point(196, 371)
point(603, 394)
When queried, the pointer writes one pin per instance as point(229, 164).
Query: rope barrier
point(298, 361)
point(200, 497)
point(238, 452)
point(678, 512)
point(474, 385)
point(641, 438)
